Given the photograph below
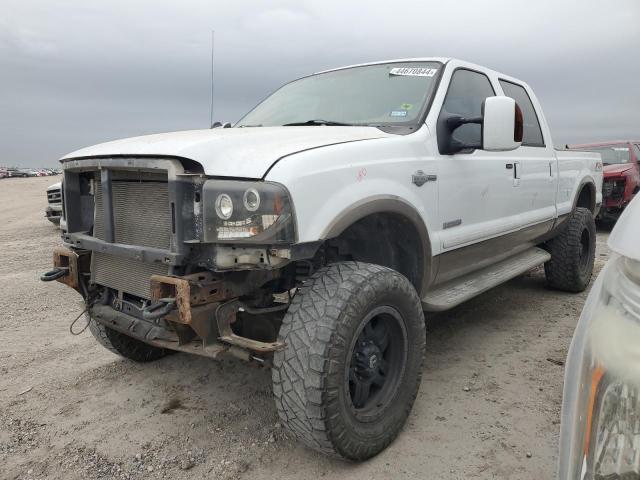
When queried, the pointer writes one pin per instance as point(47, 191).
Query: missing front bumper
point(206, 307)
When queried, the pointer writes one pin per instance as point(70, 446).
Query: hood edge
point(315, 148)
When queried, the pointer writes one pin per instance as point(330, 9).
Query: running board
point(459, 290)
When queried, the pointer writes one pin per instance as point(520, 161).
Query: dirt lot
point(488, 406)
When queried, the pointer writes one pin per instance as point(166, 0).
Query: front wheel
point(350, 372)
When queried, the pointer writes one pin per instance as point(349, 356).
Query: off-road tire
point(320, 330)
point(126, 346)
point(572, 258)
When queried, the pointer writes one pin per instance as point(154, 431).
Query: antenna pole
point(212, 44)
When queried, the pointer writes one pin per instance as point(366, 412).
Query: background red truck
point(621, 162)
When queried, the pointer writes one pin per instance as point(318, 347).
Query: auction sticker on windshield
point(413, 71)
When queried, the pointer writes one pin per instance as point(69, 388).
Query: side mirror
point(501, 122)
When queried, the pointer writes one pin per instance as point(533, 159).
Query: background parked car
point(621, 175)
point(53, 212)
point(15, 172)
point(28, 172)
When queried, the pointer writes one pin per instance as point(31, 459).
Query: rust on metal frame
point(225, 316)
point(198, 298)
point(76, 262)
point(189, 291)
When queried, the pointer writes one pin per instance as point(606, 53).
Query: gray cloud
point(74, 73)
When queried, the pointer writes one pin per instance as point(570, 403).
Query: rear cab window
point(532, 133)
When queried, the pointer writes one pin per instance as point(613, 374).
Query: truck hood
point(232, 152)
point(616, 169)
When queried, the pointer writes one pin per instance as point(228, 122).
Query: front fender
point(335, 186)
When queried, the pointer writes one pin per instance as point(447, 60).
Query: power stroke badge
point(420, 178)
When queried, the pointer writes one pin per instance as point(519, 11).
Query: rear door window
point(532, 134)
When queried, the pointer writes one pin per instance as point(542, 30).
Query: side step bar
point(459, 290)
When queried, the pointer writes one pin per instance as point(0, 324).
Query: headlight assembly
point(612, 440)
point(247, 212)
point(600, 429)
point(251, 199)
point(600, 437)
point(224, 206)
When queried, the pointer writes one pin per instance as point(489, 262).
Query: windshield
point(612, 153)
point(373, 95)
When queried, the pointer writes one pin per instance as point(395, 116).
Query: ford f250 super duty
point(313, 235)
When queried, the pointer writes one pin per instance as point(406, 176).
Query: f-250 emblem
point(420, 178)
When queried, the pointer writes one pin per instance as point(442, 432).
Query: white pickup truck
point(313, 234)
point(53, 212)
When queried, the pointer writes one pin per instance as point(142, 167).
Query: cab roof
point(442, 60)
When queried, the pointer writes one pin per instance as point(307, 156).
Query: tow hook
point(54, 274)
point(159, 310)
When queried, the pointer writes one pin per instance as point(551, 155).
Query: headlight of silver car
point(247, 212)
point(600, 434)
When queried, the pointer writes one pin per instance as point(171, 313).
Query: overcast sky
point(75, 73)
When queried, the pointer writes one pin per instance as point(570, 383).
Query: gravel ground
point(488, 406)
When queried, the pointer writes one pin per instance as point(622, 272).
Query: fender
point(587, 181)
point(387, 204)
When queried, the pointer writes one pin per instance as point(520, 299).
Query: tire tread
point(310, 328)
point(562, 271)
point(125, 346)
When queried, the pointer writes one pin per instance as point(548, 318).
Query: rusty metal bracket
point(203, 322)
point(76, 263)
point(189, 292)
point(225, 316)
point(198, 300)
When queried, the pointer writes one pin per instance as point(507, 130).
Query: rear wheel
point(573, 253)
point(126, 346)
point(350, 372)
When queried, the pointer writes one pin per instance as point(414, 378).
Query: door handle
point(516, 174)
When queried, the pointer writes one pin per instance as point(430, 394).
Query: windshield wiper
point(318, 122)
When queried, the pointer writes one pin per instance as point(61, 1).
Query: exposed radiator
point(129, 275)
point(142, 217)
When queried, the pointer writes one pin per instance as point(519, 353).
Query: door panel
point(475, 196)
point(538, 184)
point(475, 188)
point(537, 163)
